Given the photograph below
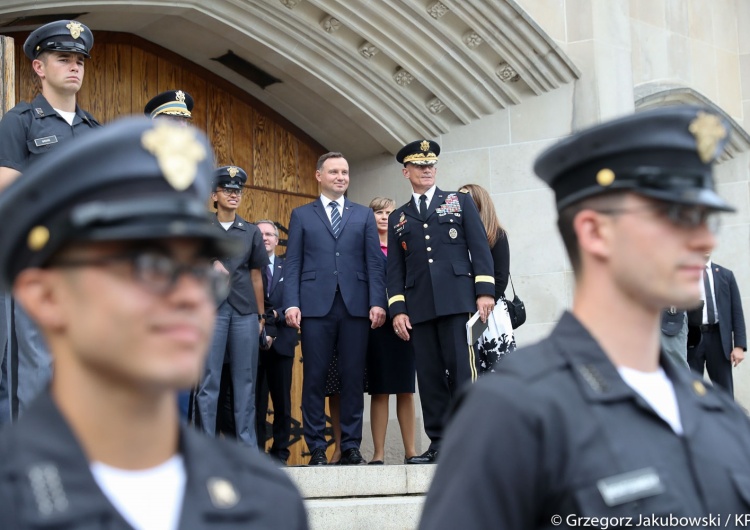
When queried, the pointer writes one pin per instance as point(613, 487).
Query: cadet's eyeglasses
point(229, 192)
point(158, 272)
point(680, 215)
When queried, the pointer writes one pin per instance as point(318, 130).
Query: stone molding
point(450, 55)
point(663, 93)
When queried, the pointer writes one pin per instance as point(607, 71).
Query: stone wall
point(618, 46)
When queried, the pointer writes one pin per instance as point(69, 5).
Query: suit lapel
point(347, 214)
point(277, 274)
point(721, 287)
point(320, 209)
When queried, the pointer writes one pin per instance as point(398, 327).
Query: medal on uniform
point(453, 233)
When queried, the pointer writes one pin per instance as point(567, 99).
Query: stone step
point(351, 497)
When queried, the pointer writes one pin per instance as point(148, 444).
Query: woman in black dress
point(390, 365)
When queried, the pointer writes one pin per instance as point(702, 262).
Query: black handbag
point(516, 307)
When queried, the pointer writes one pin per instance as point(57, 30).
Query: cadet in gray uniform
point(28, 132)
point(592, 427)
point(115, 267)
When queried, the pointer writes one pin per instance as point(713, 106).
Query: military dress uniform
point(27, 132)
point(438, 264)
point(558, 437)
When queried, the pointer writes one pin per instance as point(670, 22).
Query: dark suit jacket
point(285, 338)
point(729, 309)
point(317, 262)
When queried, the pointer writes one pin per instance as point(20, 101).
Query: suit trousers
point(348, 335)
point(30, 364)
point(710, 354)
point(237, 335)
point(276, 370)
point(444, 365)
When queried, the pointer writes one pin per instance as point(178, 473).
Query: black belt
point(705, 328)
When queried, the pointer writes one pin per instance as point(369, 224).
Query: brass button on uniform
point(425, 225)
point(429, 249)
point(427, 237)
point(429, 260)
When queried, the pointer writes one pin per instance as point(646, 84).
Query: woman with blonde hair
point(496, 236)
point(391, 367)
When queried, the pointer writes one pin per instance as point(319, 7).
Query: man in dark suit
point(334, 277)
point(723, 339)
point(440, 271)
point(277, 356)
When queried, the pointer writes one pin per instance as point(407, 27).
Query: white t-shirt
point(658, 391)
point(149, 499)
point(227, 224)
point(67, 116)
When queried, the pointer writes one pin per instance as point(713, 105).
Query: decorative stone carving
point(330, 24)
point(506, 73)
point(472, 39)
point(437, 10)
point(435, 106)
point(402, 77)
point(291, 4)
point(368, 50)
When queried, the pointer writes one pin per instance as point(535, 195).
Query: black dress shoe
point(318, 458)
point(375, 463)
point(428, 457)
point(352, 457)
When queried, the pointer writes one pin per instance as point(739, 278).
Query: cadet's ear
point(593, 230)
point(36, 290)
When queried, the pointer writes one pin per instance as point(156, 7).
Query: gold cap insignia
point(222, 493)
point(425, 145)
point(76, 28)
point(605, 177)
point(177, 152)
point(38, 237)
point(179, 96)
point(233, 171)
point(708, 131)
point(699, 388)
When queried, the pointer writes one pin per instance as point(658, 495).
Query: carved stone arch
point(359, 76)
point(661, 93)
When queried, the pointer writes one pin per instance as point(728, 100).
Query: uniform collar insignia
point(222, 493)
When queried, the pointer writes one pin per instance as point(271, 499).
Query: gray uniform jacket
point(45, 482)
point(557, 436)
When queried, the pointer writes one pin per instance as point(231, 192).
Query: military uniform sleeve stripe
point(483, 278)
point(398, 298)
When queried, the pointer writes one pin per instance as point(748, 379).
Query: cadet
point(28, 131)
point(115, 266)
point(240, 314)
point(440, 271)
point(173, 105)
point(593, 422)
